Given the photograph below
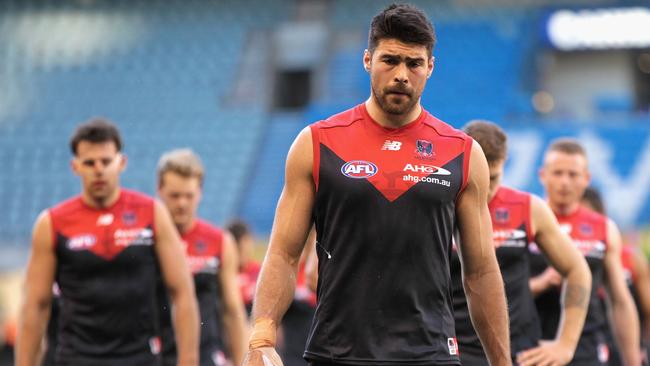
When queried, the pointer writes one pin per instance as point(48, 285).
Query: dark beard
point(397, 109)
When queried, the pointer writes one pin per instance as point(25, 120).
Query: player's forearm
point(626, 329)
point(275, 289)
point(575, 302)
point(186, 327)
point(539, 284)
point(30, 334)
point(491, 322)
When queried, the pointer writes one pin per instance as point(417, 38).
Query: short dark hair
point(238, 228)
point(567, 145)
point(403, 22)
point(96, 130)
point(593, 197)
point(491, 137)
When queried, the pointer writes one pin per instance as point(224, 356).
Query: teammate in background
point(104, 248)
point(386, 184)
point(565, 176)
point(248, 267)
point(637, 278)
point(519, 218)
point(213, 261)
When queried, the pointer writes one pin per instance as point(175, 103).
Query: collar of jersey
point(391, 131)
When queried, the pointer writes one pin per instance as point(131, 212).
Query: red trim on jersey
point(627, 259)
point(529, 221)
point(468, 155)
point(315, 145)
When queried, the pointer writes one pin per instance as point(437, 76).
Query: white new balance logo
point(392, 145)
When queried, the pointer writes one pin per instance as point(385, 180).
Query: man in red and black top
point(103, 248)
point(565, 176)
point(519, 218)
point(212, 258)
point(637, 278)
point(386, 184)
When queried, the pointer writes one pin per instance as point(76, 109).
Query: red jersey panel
point(105, 256)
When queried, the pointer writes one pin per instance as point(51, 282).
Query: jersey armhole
point(53, 230)
point(467, 152)
point(315, 143)
point(529, 219)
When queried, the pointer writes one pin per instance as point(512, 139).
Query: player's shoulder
point(208, 229)
point(588, 215)
point(443, 128)
point(342, 119)
point(510, 194)
point(132, 197)
point(66, 207)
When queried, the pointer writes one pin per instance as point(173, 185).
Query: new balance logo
point(392, 145)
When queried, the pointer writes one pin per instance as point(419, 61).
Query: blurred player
point(519, 218)
point(248, 267)
point(637, 277)
point(212, 258)
point(386, 184)
point(565, 175)
point(104, 247)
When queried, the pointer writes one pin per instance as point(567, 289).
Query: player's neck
point(391, 120)
point(564, 209)
point(103, 202)
point(184, 228)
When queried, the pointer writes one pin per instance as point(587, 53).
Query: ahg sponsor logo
point(359, 169)
point(426, 169)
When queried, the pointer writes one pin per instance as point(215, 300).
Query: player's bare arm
point(37, 299)
point(277, 281)
point(642, 287)
point(565, 258)
point(234, 318)
point(481, 275)
point(180, 286)
point(623, 316)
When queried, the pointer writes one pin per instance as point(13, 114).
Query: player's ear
point(367, 59)
point(123, 161)
point(431, 66)
point(74, 165)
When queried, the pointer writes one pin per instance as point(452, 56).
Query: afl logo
point(359, 169)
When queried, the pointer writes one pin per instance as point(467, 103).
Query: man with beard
point(386, 185)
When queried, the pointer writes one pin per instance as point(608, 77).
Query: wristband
point(263, 334)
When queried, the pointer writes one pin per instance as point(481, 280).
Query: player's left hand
point(548, 353)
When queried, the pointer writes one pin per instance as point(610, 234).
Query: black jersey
point(106, 271)
point(588, 231)
point(511, 232)
point(385, 212)
point(203, 247)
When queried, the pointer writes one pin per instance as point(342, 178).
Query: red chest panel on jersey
point(203, 246)
point(104, 232)
point(588, 230)
point(392, 160)
point(510, 213)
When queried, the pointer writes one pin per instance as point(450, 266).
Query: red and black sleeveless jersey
point(203, 247)
point(511, 232)
point(385, 211)
point(588, 230)
point(106, 271)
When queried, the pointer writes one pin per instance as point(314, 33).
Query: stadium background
point(236, 80)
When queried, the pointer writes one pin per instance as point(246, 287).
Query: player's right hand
point(264, 356)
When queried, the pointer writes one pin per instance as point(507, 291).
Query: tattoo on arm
point(576, 296)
